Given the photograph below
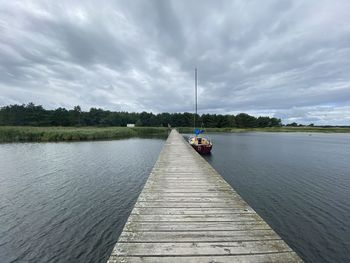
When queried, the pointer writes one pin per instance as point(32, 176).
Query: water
point(68, 202)
point(299, 183)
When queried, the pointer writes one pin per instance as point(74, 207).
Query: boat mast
point(195, 96)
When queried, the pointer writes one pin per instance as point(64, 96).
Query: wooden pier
point(188, 213)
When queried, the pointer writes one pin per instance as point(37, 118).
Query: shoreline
point(10, 134)
point(271, 129)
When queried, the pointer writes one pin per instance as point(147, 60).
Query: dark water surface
point(68, 202)
point(298, 182)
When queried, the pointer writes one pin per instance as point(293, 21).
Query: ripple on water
point(68, 202)
point(298, 183)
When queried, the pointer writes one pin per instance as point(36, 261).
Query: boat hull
point(202, 149)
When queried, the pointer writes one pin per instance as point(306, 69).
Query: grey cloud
point(287, 59)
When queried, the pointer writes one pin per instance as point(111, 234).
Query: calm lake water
point(68, 202)
point(298, 182)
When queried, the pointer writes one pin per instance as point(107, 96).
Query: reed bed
point(54, 134)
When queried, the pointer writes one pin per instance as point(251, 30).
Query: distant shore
point(55, 134)
point(273, 129)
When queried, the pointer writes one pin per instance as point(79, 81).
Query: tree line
point(36, 115)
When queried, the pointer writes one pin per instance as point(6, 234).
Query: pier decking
point(188, 213)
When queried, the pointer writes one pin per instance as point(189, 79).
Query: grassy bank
point(54, 134)
point(272, 129)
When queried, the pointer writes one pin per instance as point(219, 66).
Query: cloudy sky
point(288, 59)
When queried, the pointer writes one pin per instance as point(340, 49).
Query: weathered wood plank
point(188, 213)
point(187, 204)
point(198, 236)
point(285, 257)
point(190, 194)
point(195, 226)
point(201, 248)
point(182, 199)
point(190, 218)
point(189, 190)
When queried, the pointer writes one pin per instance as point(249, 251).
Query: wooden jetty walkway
point(188, 213)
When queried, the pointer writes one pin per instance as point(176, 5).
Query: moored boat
point(201, 144)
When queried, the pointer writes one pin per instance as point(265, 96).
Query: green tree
point(244, 120)
point(293, 124)
point(60, 117)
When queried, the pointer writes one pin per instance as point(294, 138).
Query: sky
point(278, 58)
